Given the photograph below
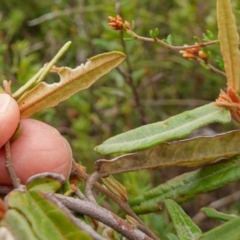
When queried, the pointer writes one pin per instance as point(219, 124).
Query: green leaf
point(208, 36)
point(188, 185)
point(169, 39)
point(186, 229)
point(191, 153)
point(71, 81)
point(17, 225)
point(41, 74)
point(228, 230)
point(196, 39)
point(212, 213)
point(151, 33)
point(176, 127)
point(47, 220)
point(229, 39)
point(45, 182)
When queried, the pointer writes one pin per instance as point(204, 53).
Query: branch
point(103, 215)
point(82, 225)
point(123, 205)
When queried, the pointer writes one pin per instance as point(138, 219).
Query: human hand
point(39, 147)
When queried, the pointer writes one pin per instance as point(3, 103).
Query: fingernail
point(4, 102)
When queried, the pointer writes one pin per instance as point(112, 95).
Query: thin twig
point(92, 181)
point(166, 45)
point(123, 205)
point(103, 215)
point(8, 163)
point(211, 67)
point(129, 77)
point(80, 195)
point(139, 107)
point(82, 225)
point(10, 168)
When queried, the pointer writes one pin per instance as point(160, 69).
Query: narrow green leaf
point(186, 229)
point(47, 220)
point(41, 74)
point(191, 153)
point(228, 230)
point(176, 127)
point(210, 35)
point(188, 185)
point(18, 225)
point(229, 40)
point(45, 182)
point(71, 81)
point(151, 33)
point(212, 213)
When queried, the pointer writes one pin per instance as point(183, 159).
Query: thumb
point(9, 117)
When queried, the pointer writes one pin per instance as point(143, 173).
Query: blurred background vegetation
point(153, 84)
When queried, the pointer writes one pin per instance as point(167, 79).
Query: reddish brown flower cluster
point(194, 52)
point(118, 24)
point(230, 100)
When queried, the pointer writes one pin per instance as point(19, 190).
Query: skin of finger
point(39, 148)
point(9, 119)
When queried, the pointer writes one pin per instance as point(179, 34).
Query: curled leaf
point(191, 153)
point(45, 182)
point(71, 81)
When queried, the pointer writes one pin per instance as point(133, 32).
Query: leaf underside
point(71, 81)
point(229, 42)
point(190, 153)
